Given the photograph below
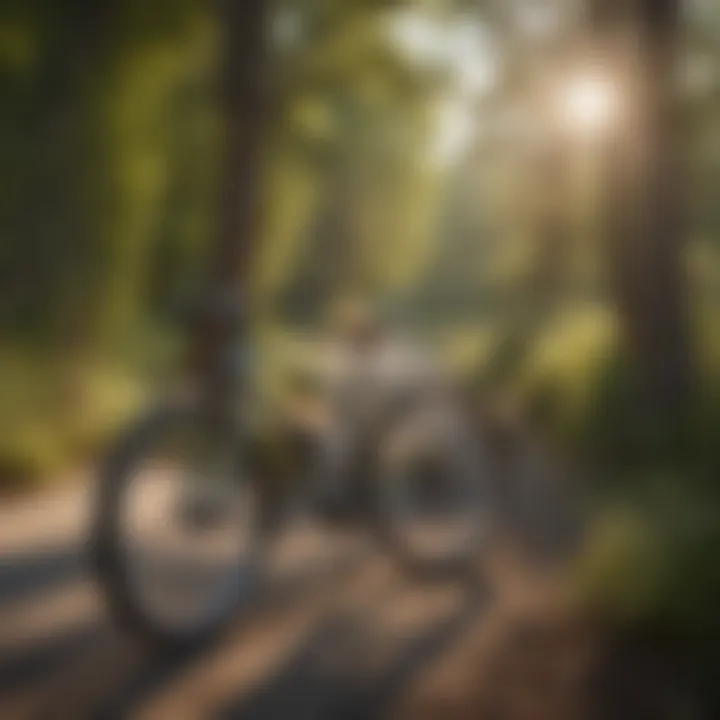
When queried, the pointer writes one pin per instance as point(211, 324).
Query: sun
point(588, 103)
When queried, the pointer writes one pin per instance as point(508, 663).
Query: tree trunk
point(644, 238)
point(660, 207)
point(222, 316)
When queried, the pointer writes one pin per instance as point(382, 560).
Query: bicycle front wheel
point(178, 540)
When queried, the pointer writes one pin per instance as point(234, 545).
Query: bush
point(650, 568)
point(49, 423)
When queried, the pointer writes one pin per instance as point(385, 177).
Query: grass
point(650, 570)
point(50, 420)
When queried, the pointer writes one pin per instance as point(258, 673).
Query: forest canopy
point(451, 160)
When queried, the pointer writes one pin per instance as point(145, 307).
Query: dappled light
point(359, 359)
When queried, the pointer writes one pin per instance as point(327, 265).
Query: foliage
point(650, 569)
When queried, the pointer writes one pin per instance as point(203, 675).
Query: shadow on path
point(24, 575)
point(21, 667)
point(158, 670)
point(324, 679)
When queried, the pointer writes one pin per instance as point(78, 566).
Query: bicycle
point(186, 469)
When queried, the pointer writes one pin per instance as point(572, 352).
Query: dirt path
point(339, 634)
point(335, 635)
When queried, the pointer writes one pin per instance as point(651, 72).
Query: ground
point(340, 633)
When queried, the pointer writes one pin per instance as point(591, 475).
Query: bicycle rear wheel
point(434, 497)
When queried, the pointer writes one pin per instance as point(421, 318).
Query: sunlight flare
point(588, 104)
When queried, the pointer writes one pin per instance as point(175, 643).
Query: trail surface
point(340, 633)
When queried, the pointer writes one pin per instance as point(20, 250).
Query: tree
point(243, 103)
point(645, 236)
